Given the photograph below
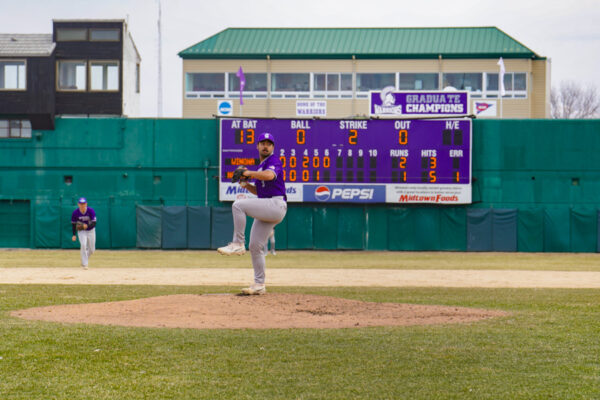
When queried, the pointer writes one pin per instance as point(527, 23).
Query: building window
point(204, 85)
point(12, 75)
point(105, 35)
point(289, 85)
point(428, 81)
point(519, 84)
point(4, 129)
point(15, 129)
point(256, 85)
point(254, 82)
point(104, 75)
point(367, 82)
point(332, 85)
point(72, 75)
point(71, 34)
point(469, 81)
point(137, 78)
point(515, 85)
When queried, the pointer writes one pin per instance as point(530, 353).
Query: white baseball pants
point(266, 213)
point(87, 242)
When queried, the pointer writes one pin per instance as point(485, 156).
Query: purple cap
point(82, 200)
point(266, 136)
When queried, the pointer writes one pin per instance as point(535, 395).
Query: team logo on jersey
point(322, 193)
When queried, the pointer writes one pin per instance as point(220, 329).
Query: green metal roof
point(373, 43)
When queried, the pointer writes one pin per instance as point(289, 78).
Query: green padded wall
point(326, 221)
point(547, 170)
point(584, 229)
point(557, 229)
point(299, 228)
point(351, 228)
point(47, 217)
point(15, 223)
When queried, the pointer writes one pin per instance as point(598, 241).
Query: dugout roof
point(363, 43)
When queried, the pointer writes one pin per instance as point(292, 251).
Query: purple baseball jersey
point(89, 216)
point(276, 187)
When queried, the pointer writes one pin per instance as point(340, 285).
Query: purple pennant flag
point(240, 74)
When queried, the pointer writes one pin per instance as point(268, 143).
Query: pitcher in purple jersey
point(83, 220)
point(267, 210)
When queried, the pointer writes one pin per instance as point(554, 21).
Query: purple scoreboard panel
point(356, 161)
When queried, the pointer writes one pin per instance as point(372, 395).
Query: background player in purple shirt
point(85, 217)
point(268, 210)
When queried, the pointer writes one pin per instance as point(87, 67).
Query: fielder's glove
point(238, 174)
point(79, 226)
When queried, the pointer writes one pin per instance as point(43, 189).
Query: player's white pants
point(87, 241)
point(271, 240)
point(266, 213)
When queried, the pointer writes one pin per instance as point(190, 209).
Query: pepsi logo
point(322, 193)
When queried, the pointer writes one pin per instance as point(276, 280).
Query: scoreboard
point(426, 161)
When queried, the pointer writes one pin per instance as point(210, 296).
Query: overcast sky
point(567, 32)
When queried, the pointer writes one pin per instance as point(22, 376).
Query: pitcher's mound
point(274, 310)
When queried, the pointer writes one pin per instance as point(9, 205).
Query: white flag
point(501, 77)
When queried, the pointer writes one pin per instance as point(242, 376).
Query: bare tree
point(572, 101)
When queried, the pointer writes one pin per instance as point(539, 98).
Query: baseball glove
point(237, 174)
point(79, 226)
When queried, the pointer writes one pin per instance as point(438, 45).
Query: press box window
point(254, 82)
point(290, 82)
point(104, 75)
point(332, 85)
point(332, 82)
point(515, 85)
point(473, 82)
point(205, 82)
point(418, 81)
point(72, 75)
point(366, 82)
point(12, 75)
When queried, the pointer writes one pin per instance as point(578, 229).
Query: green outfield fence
point(153, 184)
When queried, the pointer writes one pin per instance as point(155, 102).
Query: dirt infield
point(271, 311)
point(276, 310)
point(303, 277)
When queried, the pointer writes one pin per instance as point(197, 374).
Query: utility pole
point(159, 105)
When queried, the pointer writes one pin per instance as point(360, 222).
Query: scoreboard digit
point(379, 160)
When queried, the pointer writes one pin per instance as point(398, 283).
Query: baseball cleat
point(256, 288)
point(84, 266)
point(237, 249)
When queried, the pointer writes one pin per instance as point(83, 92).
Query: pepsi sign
point(344, 193)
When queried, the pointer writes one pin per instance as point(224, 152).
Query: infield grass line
point(307, 260)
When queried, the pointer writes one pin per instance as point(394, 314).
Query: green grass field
point(547, 348)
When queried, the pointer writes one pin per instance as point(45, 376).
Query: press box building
point(336, 68)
